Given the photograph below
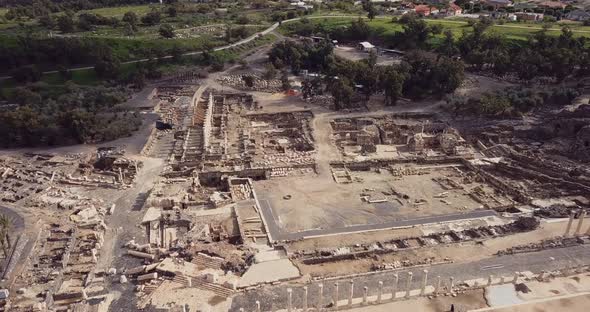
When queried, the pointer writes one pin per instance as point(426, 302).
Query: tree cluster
point(19, 9)
point(305, 55)
point(510, 102)
point(542, 55)
point(420, 75)
point(45, 116)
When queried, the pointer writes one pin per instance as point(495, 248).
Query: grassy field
point(88, 76)
point(120, 11)
point(384, 26)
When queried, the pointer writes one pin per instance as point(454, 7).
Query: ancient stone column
point(189, 281)
point(580, 222)
point(438, 282)
point(365, 294)
point(395, 282)
point(515, 279)
point(336, 296)
point(569, 224)
point(320, 296)
point(490, 280)
point(542, 275)
point(351, 293)
point(451, 284)
point(380, 294)
point(304, 298)
point(289, 299)
point(409, 284)
point(257, 306)
point(424, 281)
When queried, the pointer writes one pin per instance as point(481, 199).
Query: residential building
point(425, 10)
point(578, 15)
point(552, 5)
point(526, 16)
point(497, 3)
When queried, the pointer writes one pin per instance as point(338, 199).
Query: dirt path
point(123, 224)
point(326, 151)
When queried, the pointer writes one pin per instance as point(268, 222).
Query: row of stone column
point(579, 226)
point(438, 288)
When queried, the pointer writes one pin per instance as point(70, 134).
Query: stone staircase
point(204, 261)
point(219, 290)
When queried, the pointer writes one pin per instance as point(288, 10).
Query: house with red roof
point(552, 5)
point(452, 9)
point(425, 10)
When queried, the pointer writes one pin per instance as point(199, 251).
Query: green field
point(88, 76)
point(120, 11)
point(384, 26)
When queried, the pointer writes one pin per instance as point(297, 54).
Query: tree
point(270, 72)
point(172, 12)
point(176, 54)
point(107, 67)
point(448, 46)
point(167, 31)
point(341, 91)
point(285, 83)
point(27, 74)
point(131, 19)
point(47, 21)
point(228, 33)
point(5, 228)
point(243, 20)
point(311, 87)
point(428, 74)
point(65, 23)
point(248, 81)
point(151, 19)
point(359, 30)
point(65, 73)
point(391, 82)
point(370, 9)
point(129, 29)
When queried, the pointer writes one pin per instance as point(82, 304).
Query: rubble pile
point(257, 84)
point(362, 251)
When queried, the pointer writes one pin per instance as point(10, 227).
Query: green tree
point(167, 31)
point(131, 19)
point(270, 72)
point(370, 9)
point(311, 87)
point(129, 30)
point(392, 82)
point(27, 74)
point(107, 67)
point(47, 21)
point(448, 47)
point(151, 19)
point(285, 83)
point(342, 92)
point(65, 73)
point(5, 229)
point(65, 23)
point(171, 11)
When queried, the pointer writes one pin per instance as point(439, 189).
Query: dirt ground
point(468, 301)
point(310, 208)
point(578, 303)
point(464, 252)
point(353, 54)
